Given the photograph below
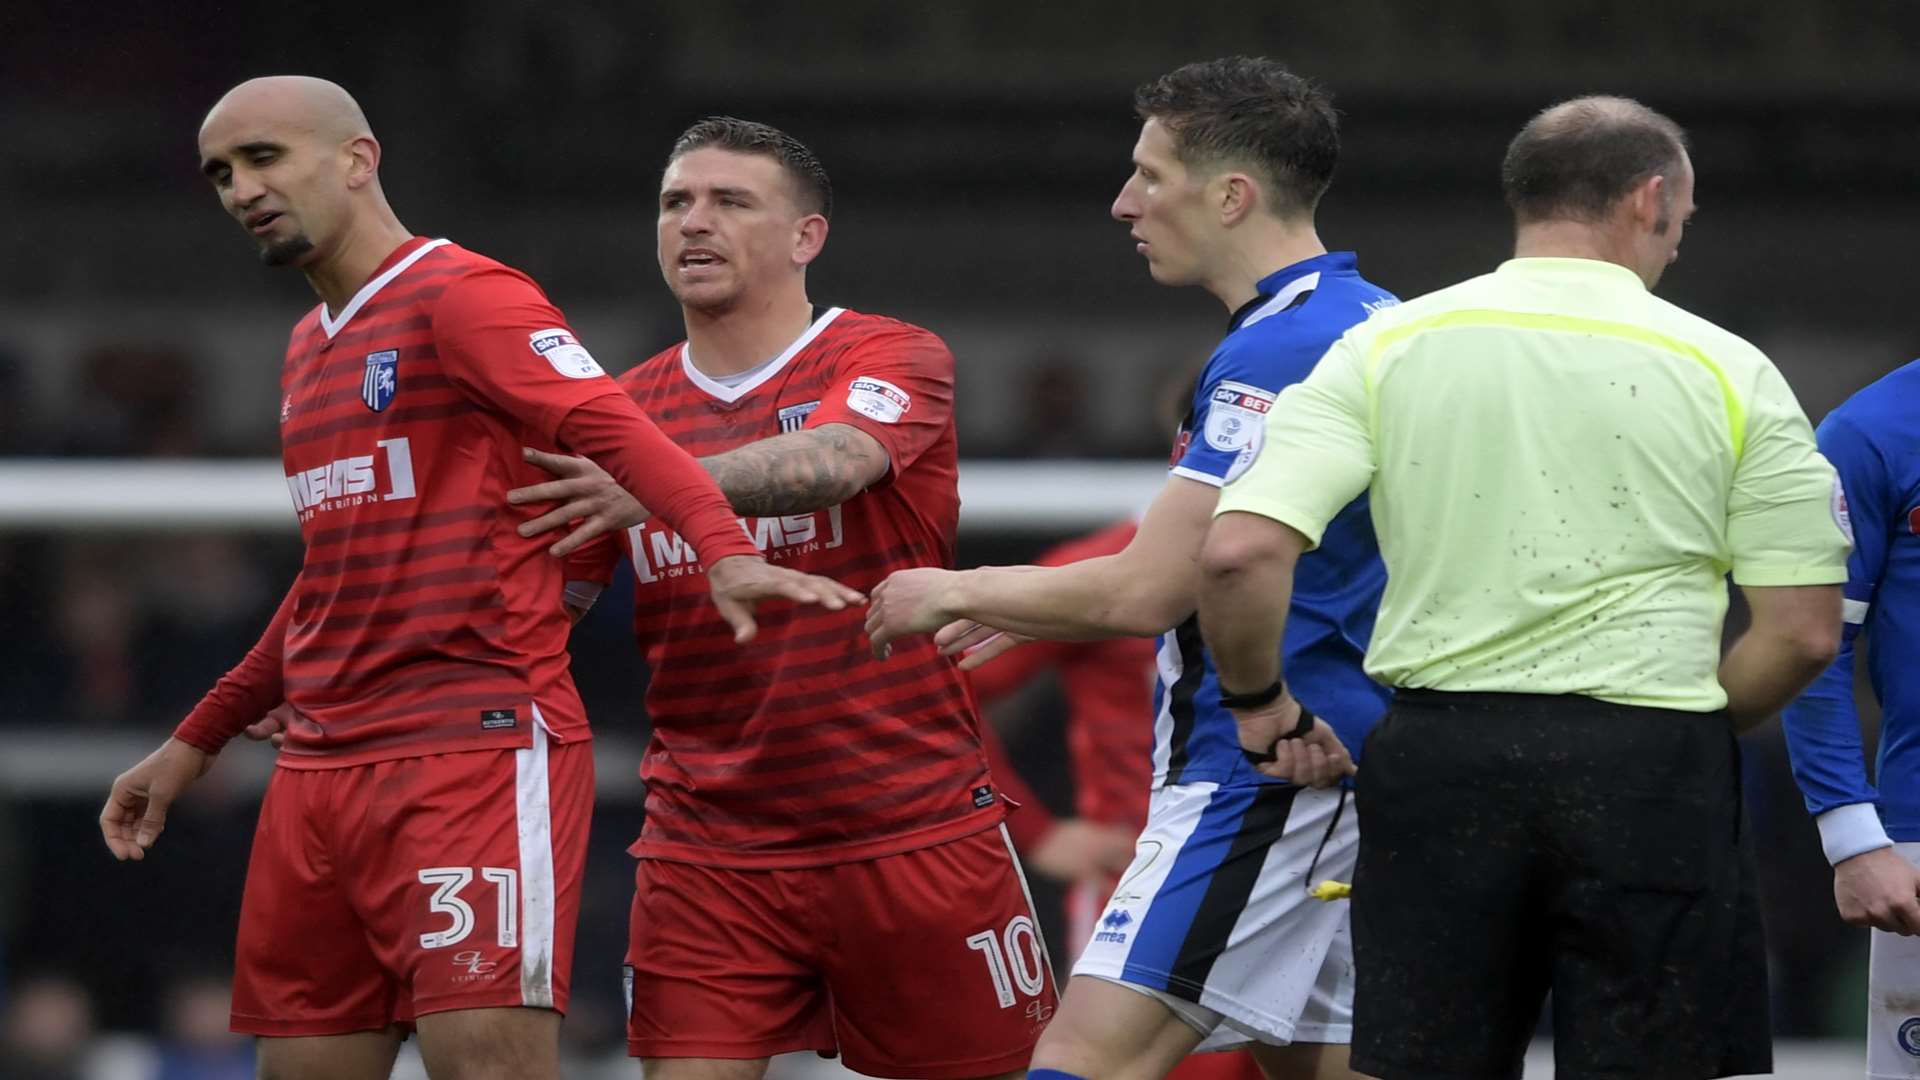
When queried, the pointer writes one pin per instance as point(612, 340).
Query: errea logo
point(1113, 927)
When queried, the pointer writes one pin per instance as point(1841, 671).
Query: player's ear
point(363, 161)
point(809, 237)
point(1237, 197)
point(1643, 204)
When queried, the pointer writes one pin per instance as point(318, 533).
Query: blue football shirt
point(1274, 341)
point(1873, 441)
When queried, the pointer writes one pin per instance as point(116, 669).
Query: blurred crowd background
point(975, 148)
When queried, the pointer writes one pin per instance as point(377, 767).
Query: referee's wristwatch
point(1267, 697)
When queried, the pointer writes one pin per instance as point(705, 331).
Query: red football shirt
point(801, 749)
point(421, 622)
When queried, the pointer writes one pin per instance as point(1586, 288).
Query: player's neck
point(1266, 248)
point(746, 335)
point(367, 244)
point(1571, 240)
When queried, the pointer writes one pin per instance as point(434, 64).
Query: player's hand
point(1879, 889)
point(269, 728)
point(587, 497)
point(740, 581)
point(1316, 759)
point(136, 809)
point(975, 643)
point(1078, 850)
point(908, 602)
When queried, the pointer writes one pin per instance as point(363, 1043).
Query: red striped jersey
point(800, 748)
point(422, 623)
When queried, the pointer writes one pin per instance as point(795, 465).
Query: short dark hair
point(1252, 111)
point(811, 186)
point(1577, 159)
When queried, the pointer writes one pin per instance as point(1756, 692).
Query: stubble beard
point(712, 304)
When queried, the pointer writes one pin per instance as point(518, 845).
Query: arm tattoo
point(797, 472)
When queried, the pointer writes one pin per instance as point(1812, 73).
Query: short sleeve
point(1227, 420)
point(1784, 512)
point(1869, 502)
point(504, 344)
point(1316, 452)
point(896, 386)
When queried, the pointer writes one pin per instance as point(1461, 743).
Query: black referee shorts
point(1512, 844)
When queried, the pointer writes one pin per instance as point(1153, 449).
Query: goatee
point(286, 252)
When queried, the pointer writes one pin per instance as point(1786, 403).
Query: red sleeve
point(896, 386)
point(244, 694)
point(613, 431)
point(506, 346)
point(1031, 819)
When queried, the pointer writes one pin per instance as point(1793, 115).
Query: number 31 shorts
point(379, 893)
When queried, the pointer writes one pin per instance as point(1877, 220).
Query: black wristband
point(1254, 700)
point(1299, 731)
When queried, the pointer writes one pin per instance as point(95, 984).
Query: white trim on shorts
point(534, 823)
point(1046, 955)
point(1306, 995)
point(1893, 988)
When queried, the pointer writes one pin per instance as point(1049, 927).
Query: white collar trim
point(1283, 298)
point(333, 326)
point(730, 394)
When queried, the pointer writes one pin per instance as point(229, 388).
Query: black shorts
point(1512, 844)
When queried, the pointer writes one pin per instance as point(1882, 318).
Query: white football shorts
point(1214, 918)
point(1893, 999)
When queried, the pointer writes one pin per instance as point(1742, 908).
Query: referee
point(1563, 467)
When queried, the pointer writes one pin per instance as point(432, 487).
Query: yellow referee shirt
point(1563, 466)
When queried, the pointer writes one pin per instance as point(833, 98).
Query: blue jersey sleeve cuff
point(1853, 829)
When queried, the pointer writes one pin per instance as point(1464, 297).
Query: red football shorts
point(379, 893)
point(924, 964)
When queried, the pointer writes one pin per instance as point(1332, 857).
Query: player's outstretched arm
point(137, 805)
point(793, 473)
point(1143, 590)
point(799, 472)
point(739, 582)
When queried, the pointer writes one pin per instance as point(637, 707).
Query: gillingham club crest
point(382, 379)
point(1909, 1036)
